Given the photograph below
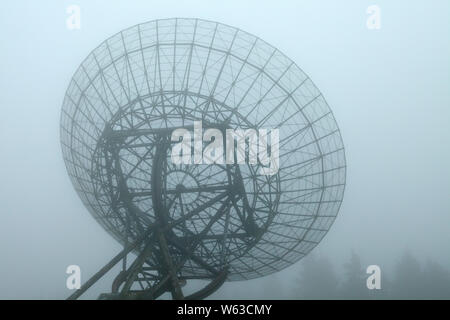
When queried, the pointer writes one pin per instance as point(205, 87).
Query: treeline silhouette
point(409, 280)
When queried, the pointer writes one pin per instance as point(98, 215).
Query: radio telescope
point(216, 222)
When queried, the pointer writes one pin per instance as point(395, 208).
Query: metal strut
point(154, 242)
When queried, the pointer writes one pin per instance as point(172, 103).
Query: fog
point(388, 89)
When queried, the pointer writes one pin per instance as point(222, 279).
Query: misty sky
point(389, 90)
